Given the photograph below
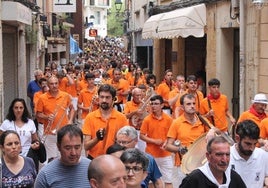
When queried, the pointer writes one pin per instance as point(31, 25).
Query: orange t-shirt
point(48, 104)
point(120, 87)
point(130, 78)
point(264, 129)
point(129, 107)
point(36, 97)
point(156, 129)
point(35, 101)
point(83, 84)
point(173, 94)
point(94, 122)
point(220, 107)
point(72, 89)
point(85, 98)
point(163, 89)
point(185, 132)
point(110, 73)
point(247, 115)
point(63, 83)
point(198, 98)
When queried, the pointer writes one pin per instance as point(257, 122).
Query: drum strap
point(210, 108)
point(204, 122)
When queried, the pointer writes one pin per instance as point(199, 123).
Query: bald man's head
point(105, 168)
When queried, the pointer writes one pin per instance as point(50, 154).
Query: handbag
point(38, 155)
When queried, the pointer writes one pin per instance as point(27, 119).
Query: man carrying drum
point(186, 129)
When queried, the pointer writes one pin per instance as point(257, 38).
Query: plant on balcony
point(56, 30)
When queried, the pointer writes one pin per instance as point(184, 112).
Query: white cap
point(260, 98)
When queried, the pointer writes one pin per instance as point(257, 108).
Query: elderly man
point(34, 86)
point(55, 110)
point(215, 172)
point(134, 113)
point(70, 170)
point(256, 112)
point(107, 171)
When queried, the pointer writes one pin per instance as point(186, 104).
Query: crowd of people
point(102, 121)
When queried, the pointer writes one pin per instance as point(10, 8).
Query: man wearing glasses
point(127, 136)
point(136, 163)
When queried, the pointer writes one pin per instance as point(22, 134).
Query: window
point(98, 17)
point(103, 2)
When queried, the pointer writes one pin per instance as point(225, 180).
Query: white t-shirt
point(252, 171)
point(25, 132)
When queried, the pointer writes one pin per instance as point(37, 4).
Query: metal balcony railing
point(28, 3)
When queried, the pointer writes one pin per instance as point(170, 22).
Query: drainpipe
point(242, 57)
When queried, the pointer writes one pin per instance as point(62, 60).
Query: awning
point(183, 22)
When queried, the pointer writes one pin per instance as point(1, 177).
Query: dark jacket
point(196, 179)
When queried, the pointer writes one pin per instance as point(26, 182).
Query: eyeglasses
point(134, 169)
point(123, 142)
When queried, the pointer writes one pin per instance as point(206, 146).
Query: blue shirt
point(32, 88)
point(153, 171)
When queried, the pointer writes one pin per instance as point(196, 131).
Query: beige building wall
point(220, 46)
point(263, 69)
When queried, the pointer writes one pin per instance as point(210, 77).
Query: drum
point(196, 155)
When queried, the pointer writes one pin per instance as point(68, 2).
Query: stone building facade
point(233, 48)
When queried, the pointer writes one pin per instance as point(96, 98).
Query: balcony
point(20, 13)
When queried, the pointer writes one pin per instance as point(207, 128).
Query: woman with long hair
point(17, 171)
point(18, 119)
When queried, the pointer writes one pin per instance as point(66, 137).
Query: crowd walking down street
point(102, 121)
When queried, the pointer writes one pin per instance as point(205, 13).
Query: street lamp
point(259, 3)
point(118, 5)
